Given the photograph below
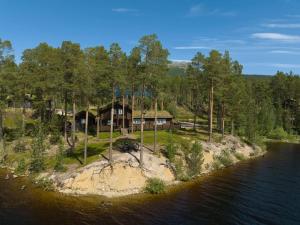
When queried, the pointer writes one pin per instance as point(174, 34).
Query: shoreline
point(137, 180)
point(141, 196)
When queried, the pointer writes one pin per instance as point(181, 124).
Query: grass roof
point(151, 114)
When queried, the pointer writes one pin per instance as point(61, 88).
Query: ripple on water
point(262, 191)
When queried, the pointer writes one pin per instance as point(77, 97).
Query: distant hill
point(178, 68)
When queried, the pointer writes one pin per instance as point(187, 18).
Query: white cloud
point(282, 25)
point(190, 47)
point(284, 52)
point(277, 37)
point(180, 60)
point(202, 10)
point(123, 10)
point(276, 65)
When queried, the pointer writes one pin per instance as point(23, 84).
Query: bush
point(59, 159)
point(20, 146)
point(21, 166)
point(239, 156)
point(155, 186)
point(38, 149)
point(216, 165)
point(30, 127)
point(194, 159)
point(225, 158)
point(55, 138)
point(171, 151)
point(179, 170)
point(45, 184)
point(278, 133)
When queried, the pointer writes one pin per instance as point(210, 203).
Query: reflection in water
point(262, 191)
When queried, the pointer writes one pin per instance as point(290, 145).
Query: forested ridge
point(212, 87)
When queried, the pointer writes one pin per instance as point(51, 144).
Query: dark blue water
point(261, 191)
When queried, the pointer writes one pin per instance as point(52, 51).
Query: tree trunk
point(98, 124)
point(65, 117)
point(86, 132)
point(2, 144)
point(232, 127)
point(132, 110)
point(73, 126)
point(195, 119)
point(111, 125)
point(23, 119)
point(142, 127)
point(211, 108)
point(162, 105)
point(155, 124)
point(123, 111)
point(223, 119)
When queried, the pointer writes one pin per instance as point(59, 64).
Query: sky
point(263, 35)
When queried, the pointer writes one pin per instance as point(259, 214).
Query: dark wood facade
point(165, 120)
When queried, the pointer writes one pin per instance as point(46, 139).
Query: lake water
point(261, 191)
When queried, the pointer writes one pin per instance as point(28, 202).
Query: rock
point(15, 176)
point(123, 177)
point(7, 177)
point(23, 187)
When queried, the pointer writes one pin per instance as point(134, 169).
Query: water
point(261, 191)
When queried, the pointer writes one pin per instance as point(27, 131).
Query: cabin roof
point(149, 114)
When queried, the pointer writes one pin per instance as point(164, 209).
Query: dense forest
point(212, 87)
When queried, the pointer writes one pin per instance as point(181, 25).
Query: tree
point(117, 65)
point(98, 67)
point(7, 68)
point(154, 58)
point(72, 69)
point(134, 66)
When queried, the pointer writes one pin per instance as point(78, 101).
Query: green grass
point(106, 135)
point(163, 136)
point(155, 186)
point(93, 152)
point(12, 120)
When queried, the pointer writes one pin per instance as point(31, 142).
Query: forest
point(211, 87)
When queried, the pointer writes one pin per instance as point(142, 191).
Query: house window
point(120, 111)
point(161, 121)
point(138, 121)
point(82, 121)
point(108, 122)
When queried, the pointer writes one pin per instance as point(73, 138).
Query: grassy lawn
point(106, 135)
point(163, 137)
point(93, 152)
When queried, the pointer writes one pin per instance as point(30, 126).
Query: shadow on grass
point(93, 149)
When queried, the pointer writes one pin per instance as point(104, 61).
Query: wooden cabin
point(103, 116)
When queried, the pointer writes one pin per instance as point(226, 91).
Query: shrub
point(239, 156)
point(155, 186)
point(21, 166)
point(216, 164)
point(30, 127)
point(194, 159)
point(59, 158)
point(179, 170)
point(45, 184)
point(278, 133)
point(55, 138)
point(171, 151)
point(38, 149)
point(20, 146)
point(225, 158)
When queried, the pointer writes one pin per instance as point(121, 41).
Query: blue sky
point(264, 35)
